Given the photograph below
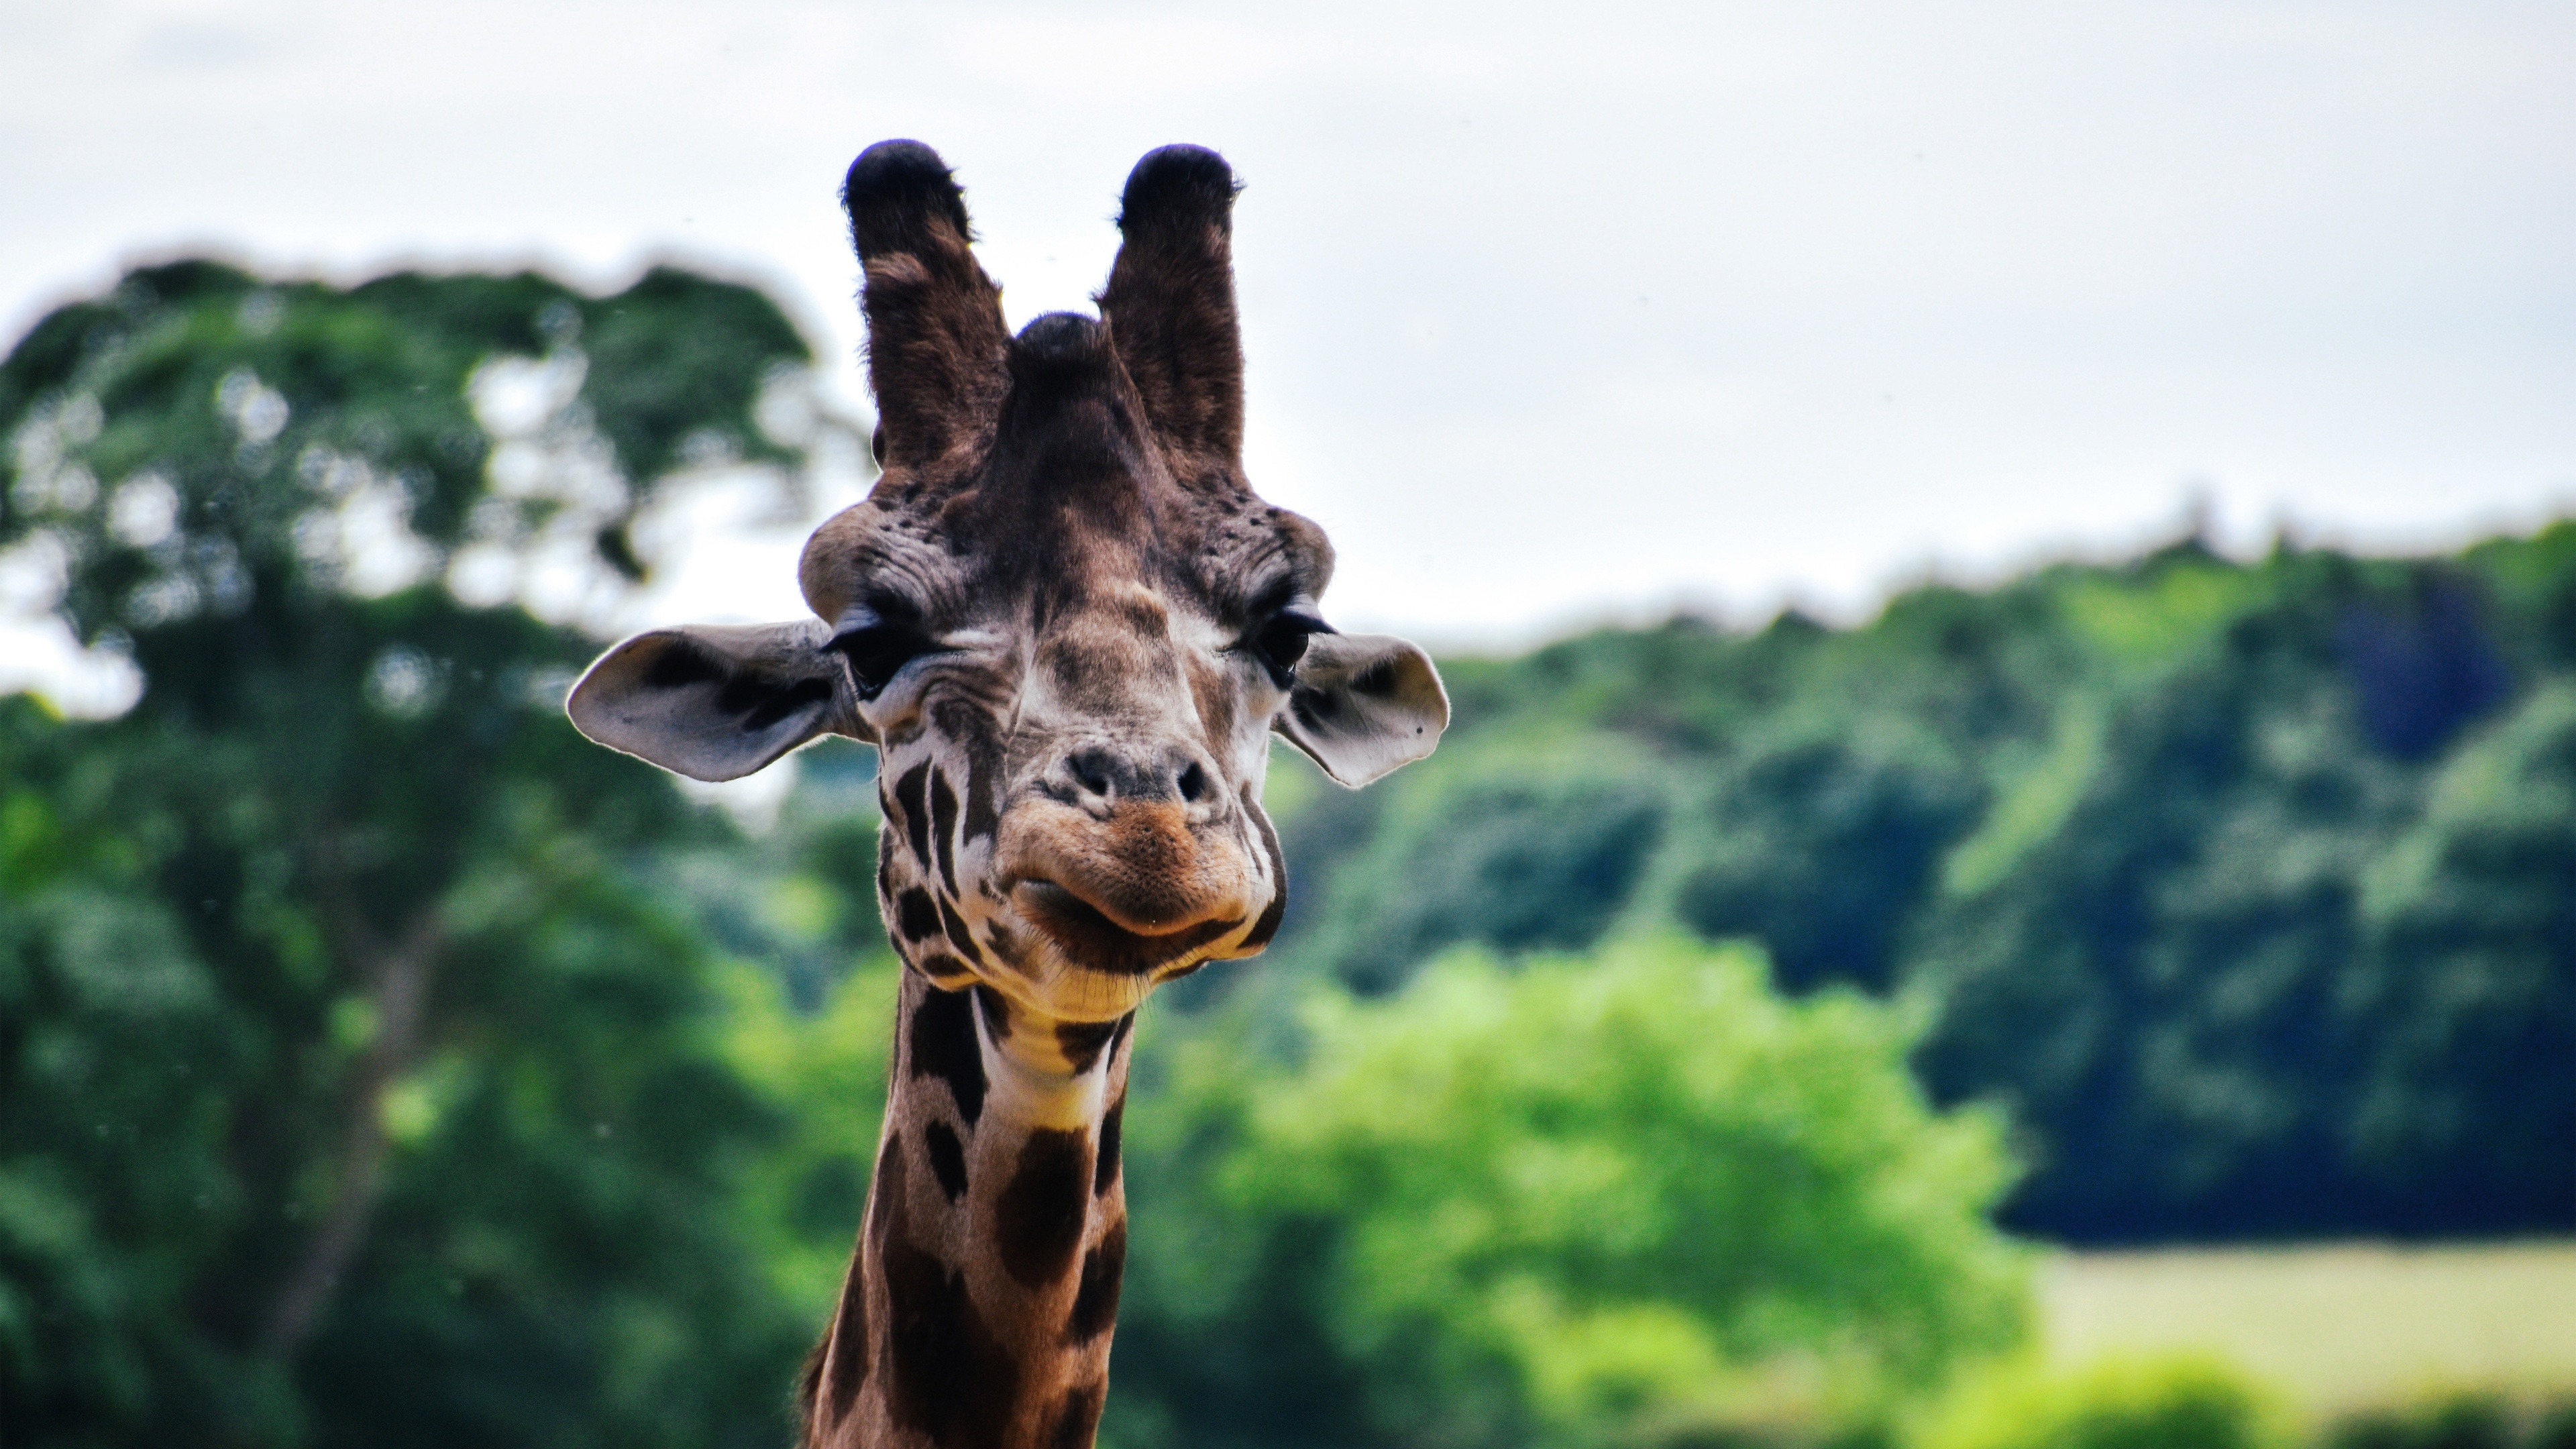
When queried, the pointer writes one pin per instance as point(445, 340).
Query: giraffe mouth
point(1087, 937)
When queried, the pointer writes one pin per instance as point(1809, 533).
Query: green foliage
point(382, 1064)
point(1577, 1203)
point(2174, 1402)
point(201, 442)
point(2469, 1419)
point(2244, 887)
point(1808, 837)
point(1535, 851)
point(359, 1081)
point(2469, 914)
point(258, 994)
point(826, 1070)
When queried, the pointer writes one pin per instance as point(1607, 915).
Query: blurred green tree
point(2175, 1401)
point(1612, 1200)
point(2245, 887)
point(2249, 975)
point(359, 1081)
point(2457, 1419)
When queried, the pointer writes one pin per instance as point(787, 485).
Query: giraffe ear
point(717, 703)
point(1364, 704)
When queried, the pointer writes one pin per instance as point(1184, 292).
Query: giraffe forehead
point(1072, 496)
point(1154, 618)
point(1159, 552)
point(1156, 572)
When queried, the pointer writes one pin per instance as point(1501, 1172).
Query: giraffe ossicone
point(1070, 628)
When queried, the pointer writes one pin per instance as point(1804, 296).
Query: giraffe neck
point(978, 1306)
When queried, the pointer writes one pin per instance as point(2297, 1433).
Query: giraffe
point(1069, 627)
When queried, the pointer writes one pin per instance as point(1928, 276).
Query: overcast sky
point(1553, 312)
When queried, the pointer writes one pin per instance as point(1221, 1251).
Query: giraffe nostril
point(1193, 782)
point(1091, 770)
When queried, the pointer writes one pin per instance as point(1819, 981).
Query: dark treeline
point(382, 1064)
point(2250, 889)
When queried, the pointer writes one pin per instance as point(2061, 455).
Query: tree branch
point(398, 976)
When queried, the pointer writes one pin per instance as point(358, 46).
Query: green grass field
point(2337, 1328)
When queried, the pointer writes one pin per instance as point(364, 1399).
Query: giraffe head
point(1062, 615)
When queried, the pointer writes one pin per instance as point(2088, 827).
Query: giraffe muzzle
point(1086, 937)
point(1140, 888)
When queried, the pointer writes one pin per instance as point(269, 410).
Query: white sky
point(1552, 312)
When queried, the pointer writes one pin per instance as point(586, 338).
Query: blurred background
point(2005, 874)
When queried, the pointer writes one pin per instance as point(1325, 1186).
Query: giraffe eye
point(877, 647)
point(1282, 642)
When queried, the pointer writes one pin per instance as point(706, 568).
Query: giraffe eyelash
point(877, 647)
point(1281, 642)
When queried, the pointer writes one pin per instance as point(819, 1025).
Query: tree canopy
point(361, 1086)
point(2246, 887)
point(1636, 1198)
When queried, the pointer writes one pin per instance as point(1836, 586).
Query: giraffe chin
point(1065, 989)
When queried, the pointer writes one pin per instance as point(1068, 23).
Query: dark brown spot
point(955, 926)
point(943, 1046)
point(1104, 1168)
point(1005, 941)
point(1081, 1041)
point(1079, 1419)
point(1038, 1219)
point(849, 1350)
point(972, 733)
point(947, 1158)
point(982, 820)
point(943, 825)
point(917, 914)
point(916, 813)
point(953, 1381)
point(950, 973)
point(996, 1009)
point(1095, 1303)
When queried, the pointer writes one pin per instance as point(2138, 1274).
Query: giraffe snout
point(1124, 880)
